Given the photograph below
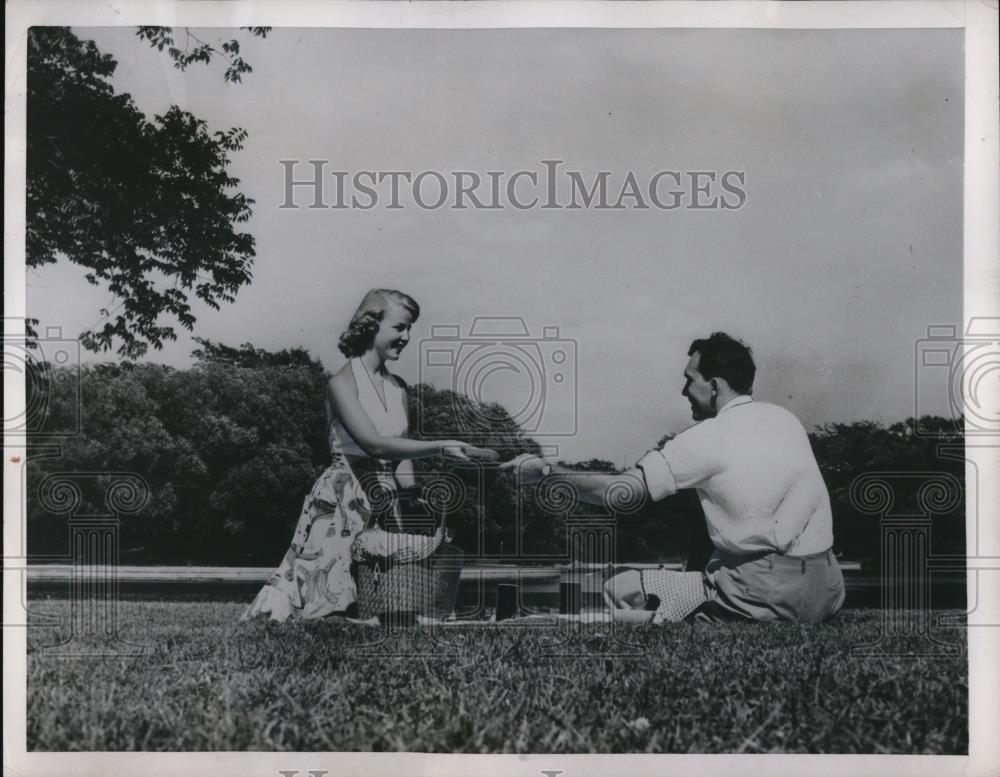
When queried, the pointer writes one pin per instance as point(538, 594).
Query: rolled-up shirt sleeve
point(684, 462)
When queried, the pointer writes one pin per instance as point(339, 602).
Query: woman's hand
point(455, 449)
point(463, 451)
point(531, 468)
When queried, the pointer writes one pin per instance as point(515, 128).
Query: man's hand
point(482, 455)
point(454, 449)
point(530, 467)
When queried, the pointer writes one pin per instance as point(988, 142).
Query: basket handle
point(440, 521)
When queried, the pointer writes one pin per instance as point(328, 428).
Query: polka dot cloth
point(680, 593)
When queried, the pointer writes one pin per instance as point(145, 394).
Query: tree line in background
point(230, 448)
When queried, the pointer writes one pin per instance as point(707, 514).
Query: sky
point(848, 246)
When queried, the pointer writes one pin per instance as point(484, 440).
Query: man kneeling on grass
point(765, 503)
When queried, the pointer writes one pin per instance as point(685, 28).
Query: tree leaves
point(198, 51)
point(846, 451)
point(247, 355)
point(228, 453)
point(147, 207)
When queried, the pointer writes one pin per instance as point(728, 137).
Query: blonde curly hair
point(360, 333)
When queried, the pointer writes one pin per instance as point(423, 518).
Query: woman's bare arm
point(343, 394)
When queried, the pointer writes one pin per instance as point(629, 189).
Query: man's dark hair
point(725, 357)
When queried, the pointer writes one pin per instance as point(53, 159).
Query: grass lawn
point(207, 682)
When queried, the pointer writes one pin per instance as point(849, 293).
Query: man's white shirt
point(756, 476)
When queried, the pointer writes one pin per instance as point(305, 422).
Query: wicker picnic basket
point(406, 573)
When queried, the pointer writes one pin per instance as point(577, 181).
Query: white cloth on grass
point(680, 593)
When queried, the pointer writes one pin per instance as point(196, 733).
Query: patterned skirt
point(314, 578)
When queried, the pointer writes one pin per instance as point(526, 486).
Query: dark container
point(506, 601)
point(570, 599)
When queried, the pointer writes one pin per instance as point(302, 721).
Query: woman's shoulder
point(343, 379)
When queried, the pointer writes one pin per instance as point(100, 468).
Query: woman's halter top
point(389, 417)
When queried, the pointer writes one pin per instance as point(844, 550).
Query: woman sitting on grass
point(366, 410)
